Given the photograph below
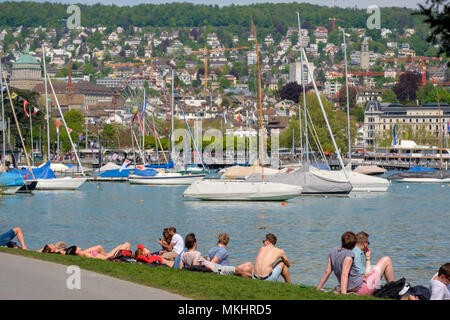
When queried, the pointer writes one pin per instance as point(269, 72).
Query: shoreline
point(189, 284)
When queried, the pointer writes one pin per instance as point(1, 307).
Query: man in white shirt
point(175, 247)
point(440, 283)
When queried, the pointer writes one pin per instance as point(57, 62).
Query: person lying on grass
point(93, 252)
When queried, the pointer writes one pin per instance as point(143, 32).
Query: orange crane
point(334, 21)
point(206, 51)
point(411, 59)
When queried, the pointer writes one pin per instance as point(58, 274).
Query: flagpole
point(65, 124)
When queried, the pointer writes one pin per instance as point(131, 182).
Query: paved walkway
point(26, 278)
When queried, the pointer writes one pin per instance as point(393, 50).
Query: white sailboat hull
point(11, 190)
point(360, 182)
point(166, 179)
point(218, 189)
point(66, 183)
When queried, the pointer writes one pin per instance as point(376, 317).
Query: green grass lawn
point(195, 285)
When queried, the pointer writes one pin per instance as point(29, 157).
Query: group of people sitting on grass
point(350, 262)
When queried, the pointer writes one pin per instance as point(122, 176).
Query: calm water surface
point(409, 223)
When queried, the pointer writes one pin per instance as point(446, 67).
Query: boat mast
point(261, 155)
point(18, 127)
point(3, 115)
point(440, 126)
point(65, 124)
point(348, 103)
point(299, 106)
point(46, 103)
point(304, 92)
point(325, 115)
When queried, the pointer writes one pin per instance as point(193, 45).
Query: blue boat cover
point(169, 165)
point(146, 173)
point(421, 169)
point(43, 172)
point(11, 179)
point(116, 173)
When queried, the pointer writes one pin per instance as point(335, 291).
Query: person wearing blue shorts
point(271, 262)
point(7, 237)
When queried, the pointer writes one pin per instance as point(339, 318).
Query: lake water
point(409, 223)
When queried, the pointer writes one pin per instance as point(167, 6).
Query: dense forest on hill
point(276, 17)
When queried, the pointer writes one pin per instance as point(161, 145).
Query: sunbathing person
point(142, 254)
point(59, 247)
point(99, 253)
point(7, 237)
point(192, 257)
point(271, 262)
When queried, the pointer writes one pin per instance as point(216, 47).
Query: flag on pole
point(239, 119)
point(124, 165)
point(14, 95)
point(140, 167)
point(25, 102)
point(224, 117)
point(104, 150)
point(80, 137)
point(35, 110)
point(57, 126)
point(114, 157)
point(69, 130)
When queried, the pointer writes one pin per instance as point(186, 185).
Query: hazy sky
point(340, 3)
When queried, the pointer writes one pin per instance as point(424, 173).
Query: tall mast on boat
point(18, 127)
point(304, 91)
point(348, 103)
point(261, 155)
point(46, 103)
point(440, 126)
point(3, 114)
point(65, 124)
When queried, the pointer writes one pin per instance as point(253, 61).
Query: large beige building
point(26, 72)
point(379, 117)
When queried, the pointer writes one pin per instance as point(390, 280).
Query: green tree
point(108, 135)
point(389, 96)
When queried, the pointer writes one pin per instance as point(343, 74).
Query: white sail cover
point(220, 189)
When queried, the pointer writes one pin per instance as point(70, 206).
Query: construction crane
point(334, 22)
point(411, 59)
point(206, 51)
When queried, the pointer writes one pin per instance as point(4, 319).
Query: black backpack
point(391, 289)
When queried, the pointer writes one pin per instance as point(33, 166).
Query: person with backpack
point(193, 258)
point(340, 261)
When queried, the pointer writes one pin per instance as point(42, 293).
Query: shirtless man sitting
point(271, 262)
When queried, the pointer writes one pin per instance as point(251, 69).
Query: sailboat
point(245, 190)
point(360, 182)
point(312, 181)
point(426, 175)
point(14, 182)
point(48, 180)
point(162, 175)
